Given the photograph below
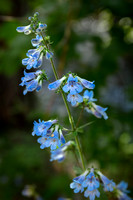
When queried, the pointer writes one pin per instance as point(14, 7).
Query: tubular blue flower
point(31, 81)
point(77, 183)
point(72, 85)
point(41, 27)
point(44, 141)
point(61, 137)
point(97, 111)
point(24, 29)
point(60, 153)
point(74, 99)
point(91, 182)
point(40, 128)
point(49, 55)
point(92, 194)
point(122, 191)
point(51, 141)
point(37, 41)
point(34, 60)
point(55, 85)
point(123, 186)
point(89, 96)
point(55, 140)
point(86, 84)
point(108, 184)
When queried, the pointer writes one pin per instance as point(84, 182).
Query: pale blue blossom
point(123, 186)
point(24, 29)
point(40, 128)
point(122, 191)
point(52, 141)
point(60, 153)
point(108, 184)
point(92, 194)
point(89, 96)
point(36, 42)
point(31, 81)
point(72, 85)
point(97, 111)
point(55, 85)
point(77, 183)
point(91, 182)
point(41, 27)
point(87, 84)
point(74, 99)
point(35, 58)
point(49, 55)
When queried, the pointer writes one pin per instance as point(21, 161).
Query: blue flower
point(49, 55)
point(72, 85)
point(74, 99)
point(77, 183)
point(86, 84)
point(122, 191)
point(108, 184)
point(92, 194)
point(91, 182)
point(61, 136)
point(41, 27)
point(123, 186)
point(37, 41)
point(55, 85)
point(96, 110)
point(40, 128)
point(89, 96)
point(51, 140)
point(24, 29)
point(31, 81)
point(34, 59)
point(60, 153)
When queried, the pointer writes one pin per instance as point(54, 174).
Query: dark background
point(93, 39)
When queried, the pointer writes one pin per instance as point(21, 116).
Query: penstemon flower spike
point(51, 132)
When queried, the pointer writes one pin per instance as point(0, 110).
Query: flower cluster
point(50, 132)
point(52, 136)
point(35, 56)
point(73, 85)
point(91, 181)
point(34, 27)
point(32, 81)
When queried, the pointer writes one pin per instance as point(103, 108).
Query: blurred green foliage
point(91, 38)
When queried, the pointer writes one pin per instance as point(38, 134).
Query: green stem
point(68, 110)
point(80, 152)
